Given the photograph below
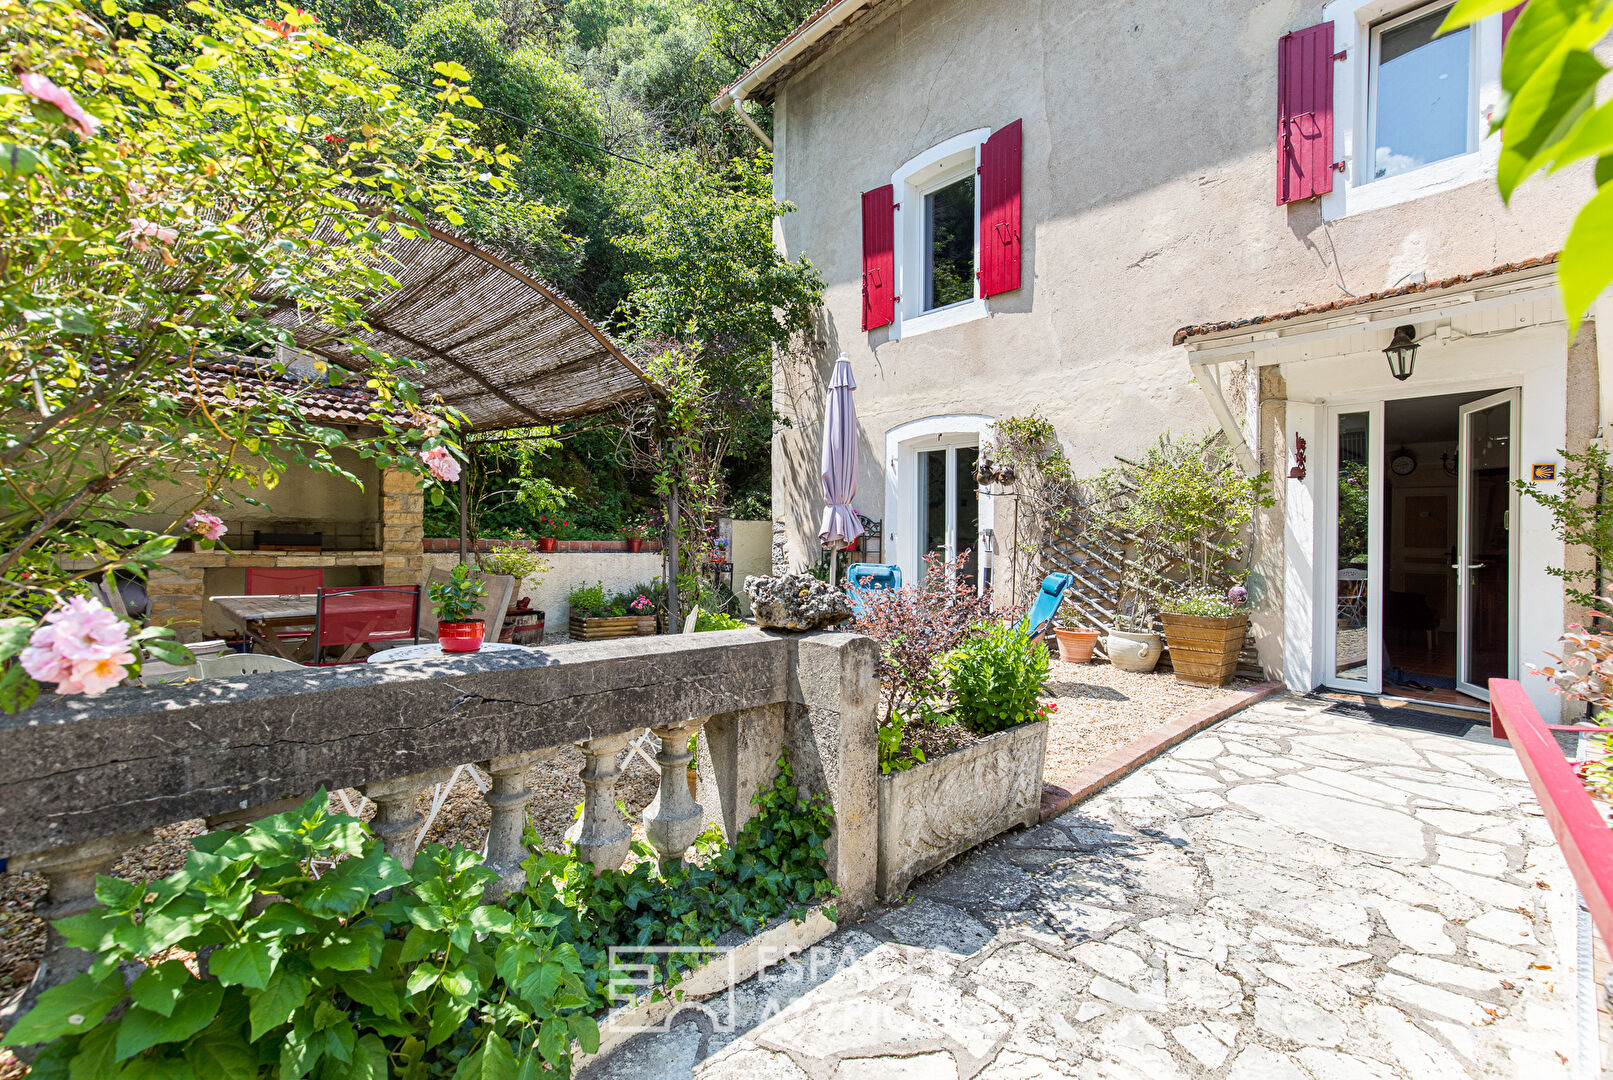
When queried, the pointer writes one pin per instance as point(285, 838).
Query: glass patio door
point(1486, 561)
point(1354, 563)
point(949, 509)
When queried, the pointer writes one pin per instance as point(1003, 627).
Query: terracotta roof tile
point(316, 401)
point(1200, 329)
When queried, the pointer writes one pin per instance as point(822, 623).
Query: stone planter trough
point(951, 803)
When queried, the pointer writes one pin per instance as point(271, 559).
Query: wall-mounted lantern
point(1402, 352)
point(1298, 471)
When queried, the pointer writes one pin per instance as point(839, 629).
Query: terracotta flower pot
point(461, 636)
point(546, 543)
point(634, 546)
point(1075, 645)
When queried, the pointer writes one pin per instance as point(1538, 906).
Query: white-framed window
point(937, 237)
point(1410, 106)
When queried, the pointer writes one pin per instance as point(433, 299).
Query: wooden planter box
point(1204, 650)
point(951, 803)
point(603, 629)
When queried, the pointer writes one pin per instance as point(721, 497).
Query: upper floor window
point(1421, 93)
point(944, 235)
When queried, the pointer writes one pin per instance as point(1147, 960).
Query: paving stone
point(1333, 1065)
point(1124, 996)
point(1200, 748)
point(1458, 822)
point(1183, 780)
point(1318, 956)
point(1203, 936)
point(930, 925)
point(1442, 973)
point(1082, 922)
point(980, 882)
point(1259, 1063)
point(1419, 1055)
point(852, 1027)
point(1430, 999)
point(1242, 831)
point(1484, 890)
point(1507, 927)
point(742, 1060)
point(1448, 795)
point(1415, 928)
point(1025, 978)
point(1090, 1010)
point(937, 1066)
point(1326, 987)
point(1121, 965)
point(1011, 1065)
point(1285, 1015)
point(1501, 959)
point(1356, 785)
point(1203, 1046)
point(1348, 824)
point(1198, 984)
point(1367, 747)
point(975, 1025)
point(649, 1058)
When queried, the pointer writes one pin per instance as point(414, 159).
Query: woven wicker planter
point(1204, 650)
point(601, 629)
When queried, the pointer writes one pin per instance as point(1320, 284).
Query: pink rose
point(203, 524)
point(42, 89)
point(81, 646)
point(442, 464)
point(95, 677)
point(142, 232)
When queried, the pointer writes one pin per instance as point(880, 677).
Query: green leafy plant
point(459, 598)
point(716, 620)
point(996, 679)
point(516, 557)
point(1549, 119)
point(1581, 517)
point(589, 601)
point(298, 947)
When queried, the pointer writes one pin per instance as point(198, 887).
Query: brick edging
point(440, 545)
point(1058, 796)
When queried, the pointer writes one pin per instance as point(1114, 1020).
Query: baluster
point(69, 890)
point(507, 799)
point(397, 820)
point(602, 835)
point(673, 820)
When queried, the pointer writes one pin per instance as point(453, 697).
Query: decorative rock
point(796, 602)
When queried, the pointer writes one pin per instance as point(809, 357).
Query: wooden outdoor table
point(262, 618)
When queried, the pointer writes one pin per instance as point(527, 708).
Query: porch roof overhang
point(1295, 334)
point(1259, 336)
point(488, 339)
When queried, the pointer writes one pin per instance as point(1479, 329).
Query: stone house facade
point(1017, 206)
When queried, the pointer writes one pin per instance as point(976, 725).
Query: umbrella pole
point(834, 558)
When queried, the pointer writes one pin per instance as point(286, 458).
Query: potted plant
point(456, 602)
point(636, 532)
point(1204, 630)
point(644, 609)
point(1131, 643)
point(552, 532)
point(517, 558)
point(1076, 639)
point(597, 616)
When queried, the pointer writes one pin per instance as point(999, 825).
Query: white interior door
point(1487, 549)
point(949, 506)
point(1353, 548)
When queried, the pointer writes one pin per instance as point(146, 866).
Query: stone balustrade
point(83, 780)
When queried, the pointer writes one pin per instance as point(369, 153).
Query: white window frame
point(1357, 25)
point(939, 166)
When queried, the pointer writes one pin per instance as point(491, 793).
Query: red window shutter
point(1508, 17)
point(1305, 113)
point(999, 210)
point(879, 257)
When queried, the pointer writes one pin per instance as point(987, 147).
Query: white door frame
point(1330, 542)
point(903, 485)
point(1464, 590)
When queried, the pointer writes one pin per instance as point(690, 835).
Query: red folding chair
point(349, 619)
point(284, 580)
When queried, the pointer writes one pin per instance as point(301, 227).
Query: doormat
point(1433, 723)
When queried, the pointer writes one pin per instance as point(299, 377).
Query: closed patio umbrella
point(841, 526)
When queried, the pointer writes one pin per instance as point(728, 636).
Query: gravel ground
point(1101, 708)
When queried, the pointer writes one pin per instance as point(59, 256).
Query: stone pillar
point(602, 835)
point(70, 890)
point(673, 819)
point(403, 509)
point(397, 820)
point(507, 799)
point(739, 754)
point(176, 590)
point(832, 738)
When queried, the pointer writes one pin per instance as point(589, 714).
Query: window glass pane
point(1422, 106)
point(933, 468)
point(949, 244)
point(968, 509)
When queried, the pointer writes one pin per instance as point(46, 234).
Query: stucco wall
point(1149, 203)
point(569, 569)
point(750, 546)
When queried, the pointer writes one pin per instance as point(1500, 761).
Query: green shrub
point(589, 601)
point(716, 620)
point(996, 678)
point(360, 967)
